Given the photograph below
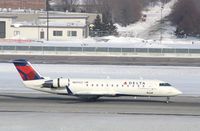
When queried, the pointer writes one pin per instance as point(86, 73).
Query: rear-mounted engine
point(56, 83)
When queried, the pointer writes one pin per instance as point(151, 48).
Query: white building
point(61, 27)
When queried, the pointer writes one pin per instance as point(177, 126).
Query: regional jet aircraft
point(92, 89)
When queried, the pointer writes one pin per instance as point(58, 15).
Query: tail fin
point(26, 71)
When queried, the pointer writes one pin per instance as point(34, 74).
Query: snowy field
point(153, 13)
point(186, 79)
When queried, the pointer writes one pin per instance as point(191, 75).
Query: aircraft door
point(151, 90)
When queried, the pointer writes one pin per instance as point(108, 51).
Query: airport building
point(23, 4)
point(33, 25)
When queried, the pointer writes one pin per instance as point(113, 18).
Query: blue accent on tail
point(20, 62)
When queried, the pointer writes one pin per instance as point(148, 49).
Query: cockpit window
point(165, 84)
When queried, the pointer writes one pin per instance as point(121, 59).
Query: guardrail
point(99, 51)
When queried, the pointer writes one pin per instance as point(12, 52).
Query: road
point(104, 60)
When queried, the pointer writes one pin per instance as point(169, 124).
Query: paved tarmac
point(33, 111)
point(105, 60)
point(181, 105)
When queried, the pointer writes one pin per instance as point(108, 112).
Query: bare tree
point(127, 11)
point(70, 5)
point(186, 16)
point(90, 5)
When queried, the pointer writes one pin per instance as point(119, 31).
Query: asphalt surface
point(105, 60)
point(50, 103)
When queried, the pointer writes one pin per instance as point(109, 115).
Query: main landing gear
point(168, 98)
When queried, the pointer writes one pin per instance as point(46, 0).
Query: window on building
point(16, 33)
point(57, 33)
point(42, 35)
point(72, 33)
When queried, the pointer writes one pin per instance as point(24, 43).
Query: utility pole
point(161, 20)
point(71, 2)
point(47, 10)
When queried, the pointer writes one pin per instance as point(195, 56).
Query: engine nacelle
point(60, 83)
point(56, 83)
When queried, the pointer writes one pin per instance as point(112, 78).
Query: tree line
point(123, 12)
point(185, 13)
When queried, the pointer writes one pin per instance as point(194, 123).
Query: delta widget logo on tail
point(26, 71)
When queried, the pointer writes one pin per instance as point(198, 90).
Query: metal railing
point(101, 51)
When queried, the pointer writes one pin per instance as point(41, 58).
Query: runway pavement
point(182, 105)
point(33, 111)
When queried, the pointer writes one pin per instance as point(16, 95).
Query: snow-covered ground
point(186, 79)
point(153, 13)
point(148, 33)
point(112, 41)
point(152, 29)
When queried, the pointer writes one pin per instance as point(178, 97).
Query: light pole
point(47, 10)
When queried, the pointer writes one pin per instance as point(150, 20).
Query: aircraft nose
point(177, 92)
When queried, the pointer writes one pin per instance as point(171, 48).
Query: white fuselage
point(106, 87)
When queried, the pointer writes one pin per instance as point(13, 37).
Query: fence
point(99, 51)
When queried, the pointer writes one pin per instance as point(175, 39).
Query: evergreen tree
point(97, 23)
point(103, 28)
